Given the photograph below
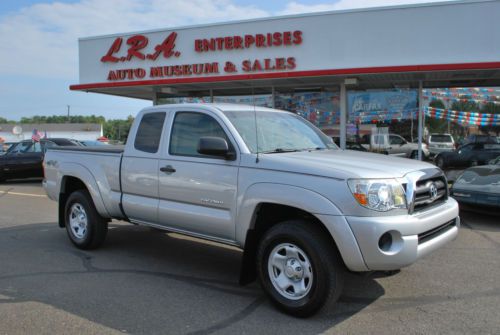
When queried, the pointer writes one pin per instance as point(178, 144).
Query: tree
point(437, 125)
point(491, 108)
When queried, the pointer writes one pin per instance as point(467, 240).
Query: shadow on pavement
point(143, 281)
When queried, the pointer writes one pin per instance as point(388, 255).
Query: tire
point(440, 162)
point(85, 227)
point(414, 154)
point(308, 264)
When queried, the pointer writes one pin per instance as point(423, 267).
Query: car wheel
point(299, 268)
point(440, 162)
point(85, 227)
point(414, 154)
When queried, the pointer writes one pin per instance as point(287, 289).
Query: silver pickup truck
point(267, 181)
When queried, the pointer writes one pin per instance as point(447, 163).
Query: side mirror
point(215, 146)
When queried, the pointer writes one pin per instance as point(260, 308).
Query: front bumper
point(413, 236)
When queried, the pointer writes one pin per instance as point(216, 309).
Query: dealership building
point(342, 70)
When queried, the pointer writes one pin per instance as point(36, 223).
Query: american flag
point(36, 135)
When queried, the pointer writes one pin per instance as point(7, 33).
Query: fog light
point(385, 242)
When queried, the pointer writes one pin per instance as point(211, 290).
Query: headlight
point(378, 194)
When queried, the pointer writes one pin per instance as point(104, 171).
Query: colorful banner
point(464, 118)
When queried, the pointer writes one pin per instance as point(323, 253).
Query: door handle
point(167, 169)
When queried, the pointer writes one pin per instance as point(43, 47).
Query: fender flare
point(280, 194)
point(80, 172)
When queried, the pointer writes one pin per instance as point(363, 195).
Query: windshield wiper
point(279, 150)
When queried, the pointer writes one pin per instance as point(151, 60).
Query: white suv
point(440, 142)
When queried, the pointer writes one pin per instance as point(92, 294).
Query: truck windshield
point(278, 132)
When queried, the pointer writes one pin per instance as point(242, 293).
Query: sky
point(39, 52)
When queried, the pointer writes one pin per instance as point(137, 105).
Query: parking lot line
point(23, 194)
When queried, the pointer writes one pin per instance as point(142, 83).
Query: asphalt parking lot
point(146, 282)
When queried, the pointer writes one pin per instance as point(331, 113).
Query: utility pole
point(68, 113)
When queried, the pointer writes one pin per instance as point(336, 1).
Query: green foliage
point(437, 125)
point(437, 103)
point(118, 129)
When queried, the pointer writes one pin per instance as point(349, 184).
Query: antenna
point(256, 132)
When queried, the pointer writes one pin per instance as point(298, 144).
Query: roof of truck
point(221, 106)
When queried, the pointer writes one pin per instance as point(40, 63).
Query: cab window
point(149, 132)
point(187, 130)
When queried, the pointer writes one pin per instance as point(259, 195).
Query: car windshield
point(480, 178)
point(441, 138)
point(278, 132)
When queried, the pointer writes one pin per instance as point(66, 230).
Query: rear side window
point(188, 128)
point(148, 134)
point(441, 138)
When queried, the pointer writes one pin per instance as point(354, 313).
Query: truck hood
point(341, 164)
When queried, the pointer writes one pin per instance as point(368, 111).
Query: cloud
point(298, 8)
point(41, 40)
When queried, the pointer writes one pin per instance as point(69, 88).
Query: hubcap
point(290, 271)
point(78, 221)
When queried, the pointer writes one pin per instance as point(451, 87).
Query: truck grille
point(430, 192)
point(430, 234)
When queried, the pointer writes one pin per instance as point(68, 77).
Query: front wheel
point(299, 267)
point(85, 227)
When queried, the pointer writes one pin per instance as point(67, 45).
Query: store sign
point(137, 48)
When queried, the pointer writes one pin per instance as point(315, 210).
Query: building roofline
point(293, 16)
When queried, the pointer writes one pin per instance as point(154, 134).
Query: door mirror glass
point(214, 146)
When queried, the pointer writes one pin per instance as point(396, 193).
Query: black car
point(478, 188)
point(24, 159)
point(471, 154)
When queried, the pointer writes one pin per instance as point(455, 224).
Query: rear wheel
point(414, 154)
point(299, 268)
point(85, 227)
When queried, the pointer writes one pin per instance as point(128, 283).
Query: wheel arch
point(280, 203)
point(81, 180)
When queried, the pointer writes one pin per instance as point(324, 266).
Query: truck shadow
point(143, 281)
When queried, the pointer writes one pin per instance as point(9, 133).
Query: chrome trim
point(185, 232)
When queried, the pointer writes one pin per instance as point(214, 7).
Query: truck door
point(397, 146)
point(139, 170)
point(197, 192)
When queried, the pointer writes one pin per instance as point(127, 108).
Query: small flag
point(36, 135)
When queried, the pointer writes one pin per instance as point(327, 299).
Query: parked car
point(350, 145)
point(478, 188)
point(4, 147)
point(302, 210)
point(438, 143)
point(471, 154)
point(481, 139)
point(93, 143)
point(24, 159)
point(393, 144)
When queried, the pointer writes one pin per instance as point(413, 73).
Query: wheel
point(440, 162)
point(414, 154)
point(474, 163)
point(299, 268)
point(85, 227)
